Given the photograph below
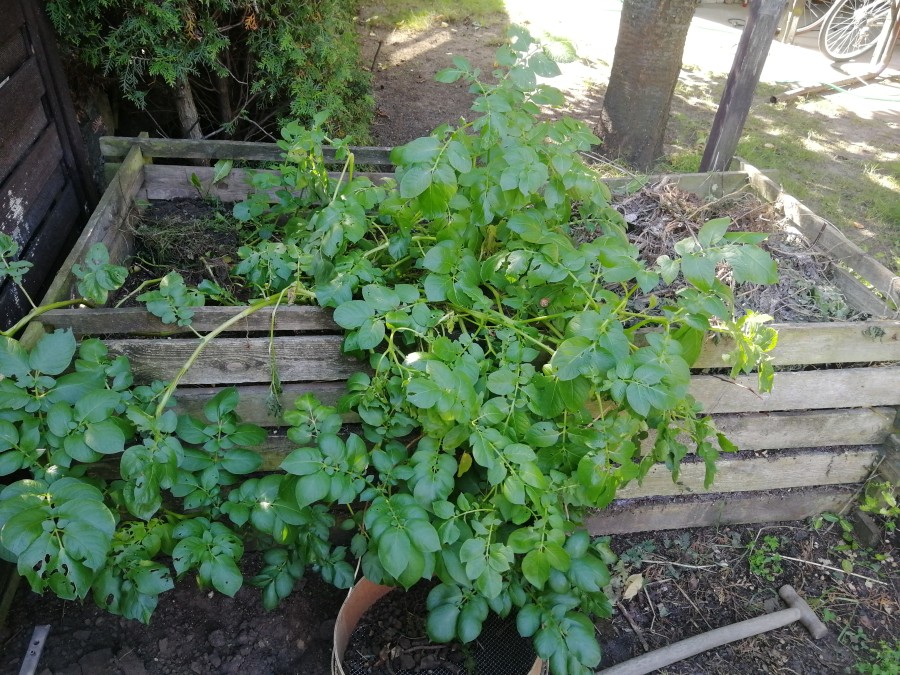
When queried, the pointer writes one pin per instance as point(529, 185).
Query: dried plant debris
point(661, 214)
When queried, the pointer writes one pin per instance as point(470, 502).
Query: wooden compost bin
point(805, 447)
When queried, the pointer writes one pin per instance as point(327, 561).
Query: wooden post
point(742, 80)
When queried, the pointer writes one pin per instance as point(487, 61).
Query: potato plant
point(509, 383)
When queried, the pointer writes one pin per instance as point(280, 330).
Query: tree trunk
point(187, 110)
point(644, 73)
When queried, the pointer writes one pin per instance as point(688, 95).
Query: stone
point(163, 647)
point(217, 639)
point(82, 635)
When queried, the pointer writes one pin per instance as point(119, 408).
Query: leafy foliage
point(266, 61)
point(507, 386)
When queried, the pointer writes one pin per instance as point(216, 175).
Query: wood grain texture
point(817, 467)
point(174, 182)
point(24, 189)
point(646, 515)
point(810, 343)
point(239, 360)
point(138, 321)
point(174, 148)
point(12, 54)
point(858, 296)
point(104, 225)
point(800, 390)
point(12, 19)
point(817, 428)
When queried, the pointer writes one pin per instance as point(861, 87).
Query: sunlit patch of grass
point(420, 15)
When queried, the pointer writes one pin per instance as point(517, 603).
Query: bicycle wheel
point(851, 27)
point(814, 12)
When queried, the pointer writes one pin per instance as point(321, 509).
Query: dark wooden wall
point(46, 193)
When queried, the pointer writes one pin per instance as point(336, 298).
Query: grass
point(420, 15)
point(856, 194)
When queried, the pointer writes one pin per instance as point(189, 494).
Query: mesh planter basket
point(490, 661)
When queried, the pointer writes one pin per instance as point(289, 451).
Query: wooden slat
point(12, 54)
point(113, 146)
point(137, 321)
point(306, 358)
point(704, 184)
point(174, 182)
point(817, 467)
point(646, 515)
point(12, 20)
point(24, 190)
point(826, 237)
point(763, 431)
point(252, 405)
point(104, 225)
point(44, 250)
point(858, 296)
point(20, 101)
point(809, 343)
point(889, 468)
point(800, 390)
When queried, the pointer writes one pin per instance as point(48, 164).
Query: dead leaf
point(858, 226)
point(633, 584)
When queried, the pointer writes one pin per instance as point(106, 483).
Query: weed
point(764, 559)
point(880, 498)
point(885, 660)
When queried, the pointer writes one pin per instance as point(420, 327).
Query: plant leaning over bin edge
point(511, 381)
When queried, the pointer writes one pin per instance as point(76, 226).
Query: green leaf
point(415, 181)
point(53, 353)
point(104, 437)
point(370, 334)
point(394, 551)
point(536, 568)
point(240, 461)
point(572, 357)
point(713, 231)
point(221, 170)
point(312, 488)
point(448, 75)
point(441, 623)
point(13, 358)
point(352, 314)
point(303, 462)
point(751, 264)
point(225, 575)
point(528, 620)
point(216, 408)
point(421, 150)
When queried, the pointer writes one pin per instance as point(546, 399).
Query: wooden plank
point(12, 20)
point(817, 467)
point(752, 50)
point(800, 390)
point(704, 184)
point(137, 321)
point(252, 405)
point(174, 182)
point(24, 190)
point(646, 515)
point(826, 237)
point(777, 430)
point(306, 358)
point(810, 343)
point(104, 224)
point(889, 468)
point(113, 146)
point(858, 296)
point(20, 101)
point(44, 251)
point(12, 54)
point(25, 127)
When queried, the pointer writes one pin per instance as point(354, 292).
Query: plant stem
point(205, 340)
point(37, 311)
point(141, 286)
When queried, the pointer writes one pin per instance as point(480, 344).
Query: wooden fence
point(46, 192)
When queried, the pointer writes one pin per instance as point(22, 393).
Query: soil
point(686, 581)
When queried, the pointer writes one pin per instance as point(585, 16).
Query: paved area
point(711, 45)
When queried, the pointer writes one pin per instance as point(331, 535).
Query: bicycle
point(814, 12)
point(852, 27)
